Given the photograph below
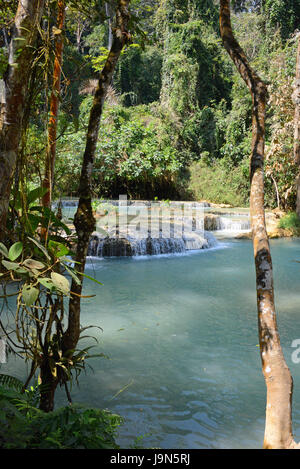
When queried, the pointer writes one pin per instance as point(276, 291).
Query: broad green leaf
point(10, 265)
point(36, 194)
point(59, 249)
point(34, 221)
point(29, 294)
point(33, 264)
point(15, 250)
point(61, 282)
point(3, 250)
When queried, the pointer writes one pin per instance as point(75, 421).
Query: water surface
point(181, 335)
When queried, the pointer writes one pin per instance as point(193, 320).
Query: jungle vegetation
point(144, 98)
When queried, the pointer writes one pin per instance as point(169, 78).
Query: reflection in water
point(181, 334)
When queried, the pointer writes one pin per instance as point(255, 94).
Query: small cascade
point(232, 224)
point(126, 247)
point(229, 222)
point(211, 240)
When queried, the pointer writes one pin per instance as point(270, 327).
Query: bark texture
point(278, 426)
point(296, 99)
point(54, 105)
point(16, 78)
point(84, 220)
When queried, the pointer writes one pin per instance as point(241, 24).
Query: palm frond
point(11, 382)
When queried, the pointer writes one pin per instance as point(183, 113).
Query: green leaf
point(10, 265)
point(46, 282)
point(58, 249)
point(20, 270)
point(90, 278)
point(66, 259)
point(73, 275)
point(15, 250)
point(30, 294)
point(34, 221)
point(33, 264)
point(41, 247)
point(36, 194)
point(3, 250)
point(61, 282)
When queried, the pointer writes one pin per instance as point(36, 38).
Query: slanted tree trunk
point(16, 78)
point(84, 220)
point(296, 98)
point(54, 105)
point(278, 426)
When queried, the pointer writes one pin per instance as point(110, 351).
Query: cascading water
point(204, 223)
point(118, 247)
point(231, 224)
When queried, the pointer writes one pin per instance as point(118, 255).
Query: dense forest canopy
point(178, 106)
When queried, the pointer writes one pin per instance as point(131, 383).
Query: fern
point(11, 382)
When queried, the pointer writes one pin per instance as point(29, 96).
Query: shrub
point(290, 221)
point(24, 426)
point(217, 182)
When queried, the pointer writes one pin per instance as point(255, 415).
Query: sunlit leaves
point(60, 282)
point(10, 265)
point(58, 249)
point(15, 251)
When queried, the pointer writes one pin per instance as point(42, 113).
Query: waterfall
point(176, 227)
point(232, 224)
point(128, 246)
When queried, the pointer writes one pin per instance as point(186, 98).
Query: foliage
point(24, 426)
point(290, 221)
point(132, 78)
point(284, 14)
point(280, 165)
point(37, 269)
point(217, 182)
point(133, 154)
point(195, 69)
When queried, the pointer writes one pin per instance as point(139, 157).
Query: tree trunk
point(48, 386)
point(84, 220)
point(54, 106)
point(16, 77)
point(278, 427)
point(296, 98)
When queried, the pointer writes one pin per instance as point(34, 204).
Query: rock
point(211, 222)
point(280, 233)
point(110, 247)
point(278, 213)
point(246, 235)
point(273, 233)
